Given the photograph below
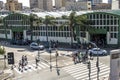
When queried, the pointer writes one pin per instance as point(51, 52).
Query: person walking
point(36, 61)
point(19, 65)
point(25, 60)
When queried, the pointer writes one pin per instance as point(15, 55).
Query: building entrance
point(18, 35)
point(99, 39)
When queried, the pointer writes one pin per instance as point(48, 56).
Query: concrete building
point(62, 3)
point(13, 5)
point(80, 5)
point(47, 5)
point(41, 4)
point(94, 2)
point(33, 4)
point(115, 4)
point(1, 5)
point(105, 23)
point(101, 6)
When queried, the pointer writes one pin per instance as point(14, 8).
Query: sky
point(26, 2)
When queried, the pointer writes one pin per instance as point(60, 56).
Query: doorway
point(18, 35)
point(99, 39)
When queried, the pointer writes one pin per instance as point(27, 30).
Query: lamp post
point(89, 68)
point(97, 62)
point(57, 69)
point(50, 56)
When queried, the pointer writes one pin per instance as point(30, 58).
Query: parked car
point(35, 46)
point(97, 51)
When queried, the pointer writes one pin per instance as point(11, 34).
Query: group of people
point(22, 63)
point(81, 56)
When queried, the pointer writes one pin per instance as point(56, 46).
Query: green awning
point(97, 31)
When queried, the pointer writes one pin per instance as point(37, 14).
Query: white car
point(97, 51)
point(35, 45)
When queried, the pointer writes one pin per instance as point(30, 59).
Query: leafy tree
point(48, 21)
point(76, 23)
point(33, 18)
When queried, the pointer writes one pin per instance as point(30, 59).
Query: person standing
point(25, 59)
point(19, 65)
point(36, 60)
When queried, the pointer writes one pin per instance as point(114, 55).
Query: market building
point(106, 24)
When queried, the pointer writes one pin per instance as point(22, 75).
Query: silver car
point(35, 45)
point(97, 51)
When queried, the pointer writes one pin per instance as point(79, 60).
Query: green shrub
point(2, 50)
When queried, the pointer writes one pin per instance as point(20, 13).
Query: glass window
point(111, 28)
point(111, 35)
point(107, 28)
point(97, 16)
point(115, 35)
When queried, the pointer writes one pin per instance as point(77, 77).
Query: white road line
point(44, 64)
point(37, 66)
point(41, 65)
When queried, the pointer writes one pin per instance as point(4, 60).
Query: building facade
point(94, 2)
point(1, 5)
point(106, 30)
point(33, 4)
point(80, 5)
point(45, 5)
point(13, 5)
point(62, 3)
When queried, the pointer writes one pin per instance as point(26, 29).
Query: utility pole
point(89, 68)
point(50, 56)
point(57, 69)
point(97, 65)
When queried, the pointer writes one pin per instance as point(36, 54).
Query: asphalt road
point(45, 74)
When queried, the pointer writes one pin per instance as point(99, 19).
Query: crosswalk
point(31, 67)
point(81, 72)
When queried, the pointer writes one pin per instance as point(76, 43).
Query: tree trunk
point(71, 32)
point(47, 32)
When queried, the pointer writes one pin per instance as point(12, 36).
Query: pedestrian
point(19, 65)
point(90, 55)
point(36, 60)
point(25, 59)
point(78, 57)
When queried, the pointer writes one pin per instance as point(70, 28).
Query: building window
point(115, 35)
point(111, 35)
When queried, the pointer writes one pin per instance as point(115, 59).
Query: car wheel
point(103, 54)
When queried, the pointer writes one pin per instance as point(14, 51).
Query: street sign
point(10, 58)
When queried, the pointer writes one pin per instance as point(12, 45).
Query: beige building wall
point(59, 4)
point(13, 5)
point(49, 5)
point(1, 5)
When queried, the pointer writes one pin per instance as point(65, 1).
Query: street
point(67, 69)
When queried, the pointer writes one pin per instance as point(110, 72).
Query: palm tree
point(76, 22)
point(39, 21)
point(33, 18)
point(48, 21)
